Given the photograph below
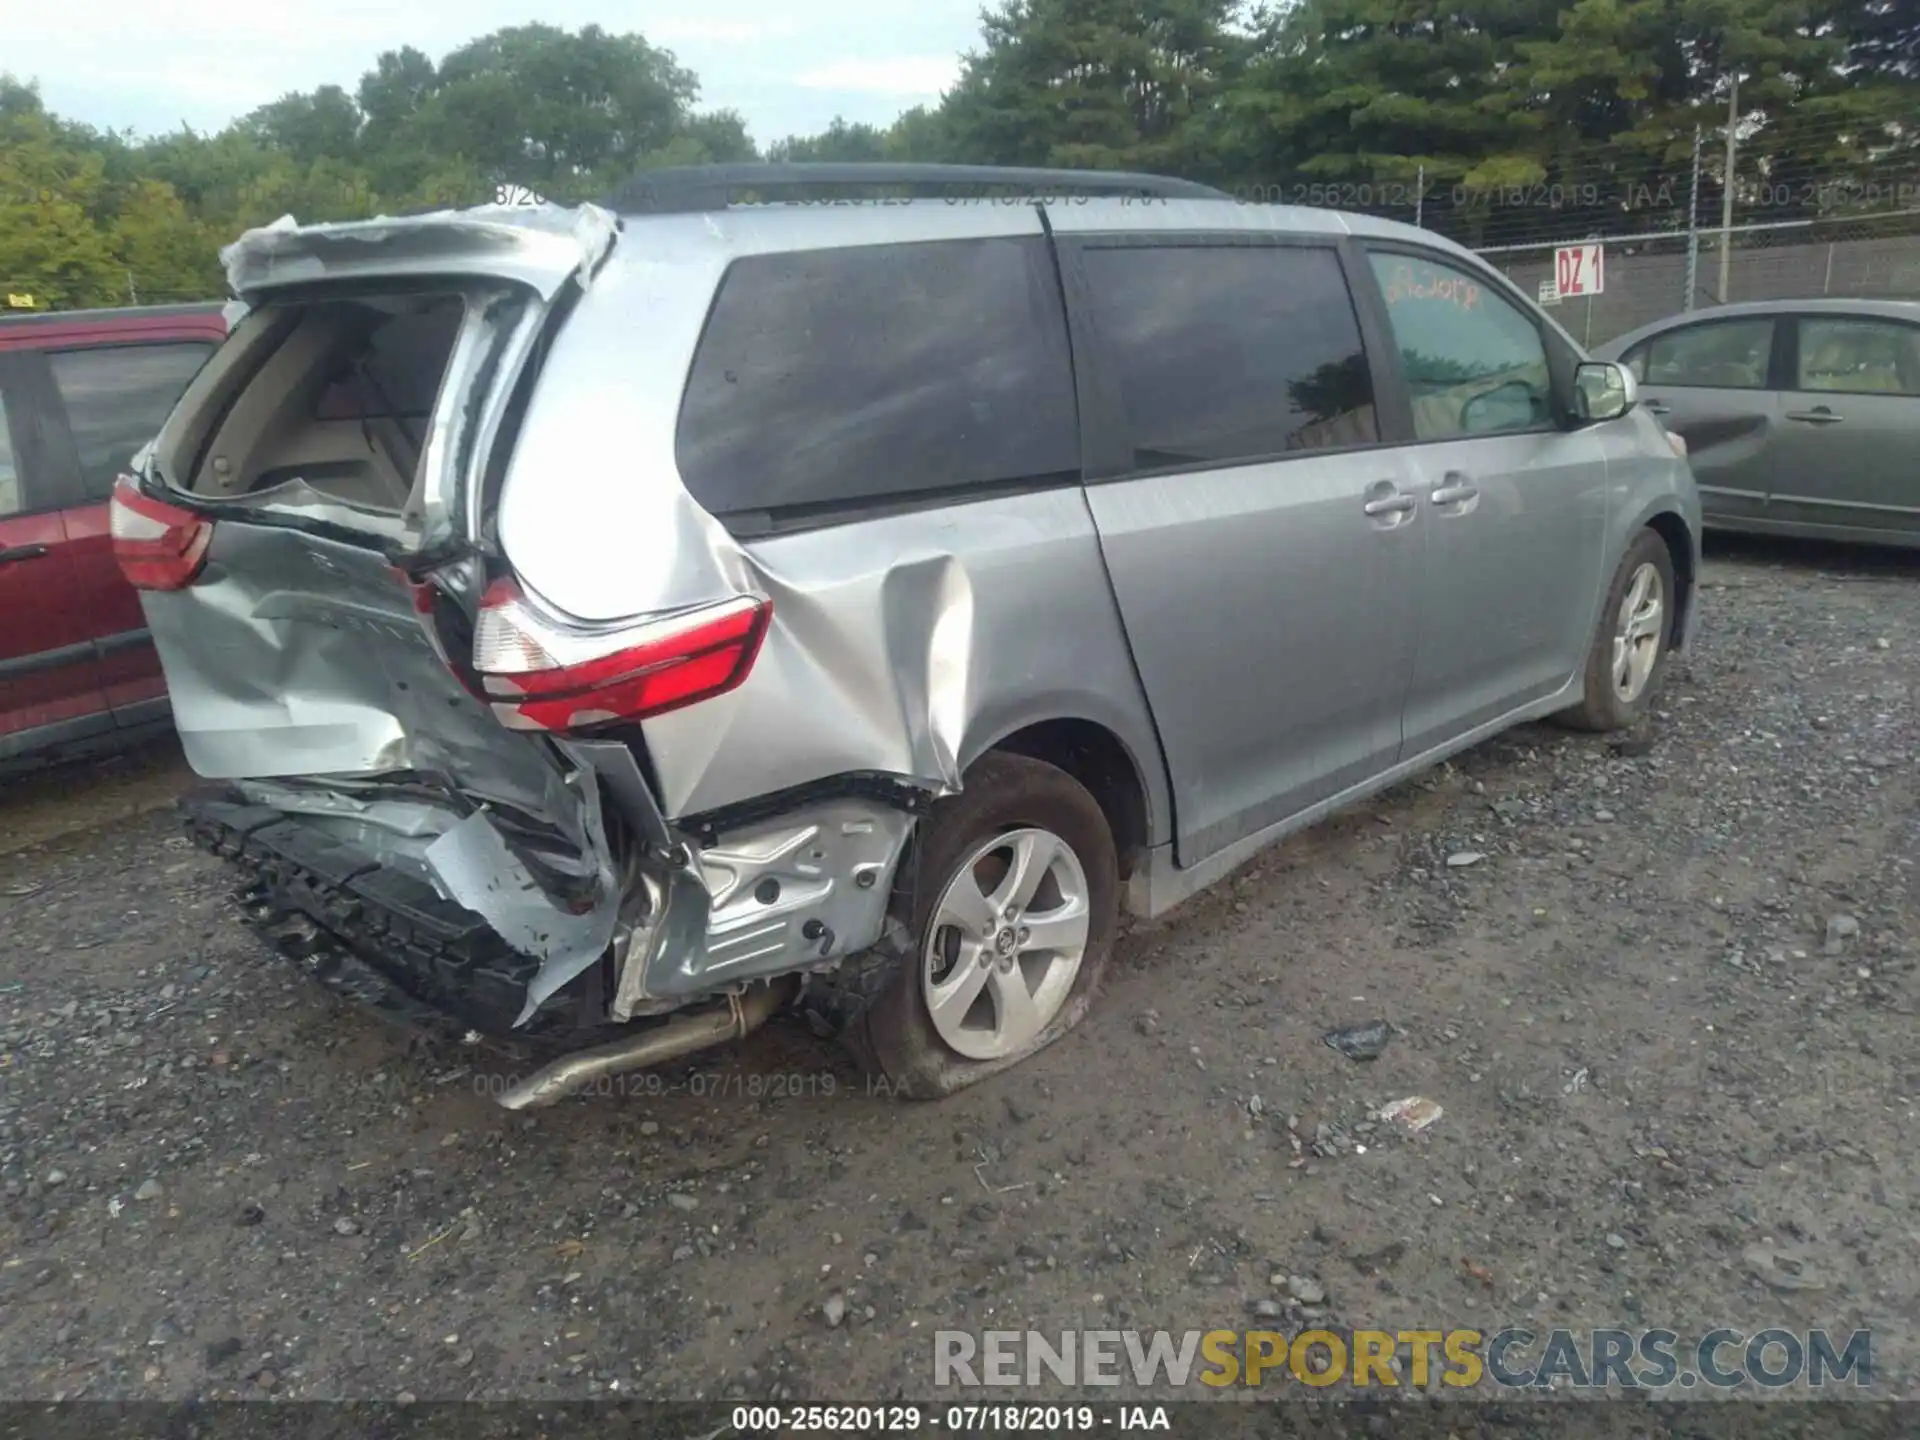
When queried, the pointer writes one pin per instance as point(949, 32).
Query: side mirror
point(1603, 390)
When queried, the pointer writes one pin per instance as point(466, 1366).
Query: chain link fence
point(1650, 276)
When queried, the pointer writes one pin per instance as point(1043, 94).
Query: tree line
point(1495, 121)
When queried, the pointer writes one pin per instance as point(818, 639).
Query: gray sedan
point(1801, 417)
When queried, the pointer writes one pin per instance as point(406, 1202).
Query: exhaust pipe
point(741, 1015)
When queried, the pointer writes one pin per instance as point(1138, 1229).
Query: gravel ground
point(1668, 1013)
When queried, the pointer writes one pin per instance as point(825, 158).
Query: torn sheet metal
point(543, 246)
point(675, 926)
point(302, 501)
point(390, 831)
point(479, 872)
point(793, 892)
point(303, 658)
point(889, 651)
point(300, 656)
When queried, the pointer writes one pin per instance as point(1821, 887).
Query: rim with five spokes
point(1005, 943)
point(1638, 632)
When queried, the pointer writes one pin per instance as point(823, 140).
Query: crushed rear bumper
point(739, 900)
point(369, 931)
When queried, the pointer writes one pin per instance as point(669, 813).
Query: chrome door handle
point(1453, 494)
point(1390, 505)
point(1821, 416)
point(1656, 407)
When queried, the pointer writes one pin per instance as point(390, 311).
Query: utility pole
point(1420, 196)
point(1726, 185)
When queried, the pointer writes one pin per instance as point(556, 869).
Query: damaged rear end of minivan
point(435, 782)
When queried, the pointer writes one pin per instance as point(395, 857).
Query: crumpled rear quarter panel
point(295, 656)
point(907, 644)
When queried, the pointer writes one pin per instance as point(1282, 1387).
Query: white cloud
point(719, 32)
point(898, 75)
point(132, 63)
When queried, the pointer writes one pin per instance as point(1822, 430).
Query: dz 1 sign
point(1579, 270)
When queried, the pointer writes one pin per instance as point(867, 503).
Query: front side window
point(1722, 354)
point(1859, 357)
point(116, 398)
point(1232, 353)
point(878, 372)
point(1475, 363)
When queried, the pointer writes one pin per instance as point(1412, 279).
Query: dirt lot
point(1658, 1075)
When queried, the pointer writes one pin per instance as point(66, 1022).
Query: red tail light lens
point(541, 674)
point(159, 546)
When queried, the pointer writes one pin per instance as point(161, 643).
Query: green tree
point(840, 141)
point(323, 124)
point(921, 135)
point(174, 255)
point(561, 112)
point(1631, 80)
point(50, 246)
point(1105, 84)
point(1383, 90)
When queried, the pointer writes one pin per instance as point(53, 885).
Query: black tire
point(1603, 710)
point(894, 1038)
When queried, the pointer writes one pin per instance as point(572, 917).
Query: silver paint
point(542, 247)
point(476, 870)
point(909, 637)
point(1762, 470)
point(297, 656)
point(1292, 650)
point(817, 860)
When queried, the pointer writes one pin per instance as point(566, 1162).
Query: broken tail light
point(159, 546)
point(544, 674)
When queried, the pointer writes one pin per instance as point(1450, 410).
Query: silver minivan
point(607, 626)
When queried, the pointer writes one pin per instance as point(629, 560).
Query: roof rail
point(711, 187)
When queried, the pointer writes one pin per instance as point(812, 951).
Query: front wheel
point(1012, 911)
point(1629, 654)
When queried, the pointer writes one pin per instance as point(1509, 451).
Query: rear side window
point(1859, 357)
point(1231, 353)
point(117, 398)
point(830, 377)
point(1723, 355)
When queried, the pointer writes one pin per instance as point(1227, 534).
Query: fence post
point(1693, 225)
point(1726, 185)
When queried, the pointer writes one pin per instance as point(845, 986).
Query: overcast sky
point(789, 69)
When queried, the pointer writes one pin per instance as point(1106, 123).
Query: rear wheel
point(1012, 911)
point(1629, 654)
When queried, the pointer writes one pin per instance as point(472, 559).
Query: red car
point(80, 392)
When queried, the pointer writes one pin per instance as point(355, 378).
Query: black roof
point(121, 312)
point(711, 187)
